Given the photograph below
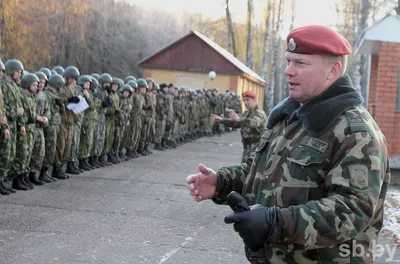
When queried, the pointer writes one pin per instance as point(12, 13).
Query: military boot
point(17, 183)
point(44, 175)
point(33, 177)
point(112, 158)
point(25, 180)
point(97, 162)
point(173, 143)
point(164, 144)
point(58, 174)
point(148, 151)
point(77, 168)
point(122, 156)
point(7, 188)
point(3, 190)
point(71, 168)
point(157, 146)
point(87, 164)
point(92, 163)
point(83, 166)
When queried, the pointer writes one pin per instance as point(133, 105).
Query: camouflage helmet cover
point(28, 79)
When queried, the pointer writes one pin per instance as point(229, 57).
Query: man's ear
point(336, 68)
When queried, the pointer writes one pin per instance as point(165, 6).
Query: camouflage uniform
point(122, 123)
point(161, 116)
point(3, 141)
point(325, 167)
point(147, 114)
point(111, 114)
point(132, 134)
point(177, 105)
point(193, 115)
point(100, 126)
point(87, 129)
point(12, 101)
point(51, 131)
point(74, 152)
point(169, 122)
point(25, 143)
point(152, 124)
point(252, 126)
point(66, 133)
point(42, 109)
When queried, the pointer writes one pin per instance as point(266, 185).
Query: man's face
point(150, 84)
point(166, 89)
point(106, 85)
point(16, 76)
point(176, 92)
point(307, 75)
point(142, 90)
point(171, 89)
point(126, 94)
point(1, 73)
point(154, 91)
point(71, 80)
point(114, 87)
point(33, 87)
point(42, 84)
point(249, 103)
point(86, 85)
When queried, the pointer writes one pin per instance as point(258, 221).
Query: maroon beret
point(317, 39)
point(249, 94)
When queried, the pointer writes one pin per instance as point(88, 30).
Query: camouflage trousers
point(64, 142)
point(86, 138)
point(169, 126)
point(50, 142)
point(249, 146)
point(193, 126)
point(144, 134)
point(38, 151)
point(175, 130)
point(110, 125)
point(131, 132)
point(24, 150)
point(118, 136)
point(99, 135)
point(7, 150)
point(152, 129)
point(160, 130)
point(208, 124)
point(137, 133)
point(73, 154)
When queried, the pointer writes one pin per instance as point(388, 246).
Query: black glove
point(73, 99)
point(58, 102)
point(254, 226)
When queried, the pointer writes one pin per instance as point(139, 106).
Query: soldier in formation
point(44, 140)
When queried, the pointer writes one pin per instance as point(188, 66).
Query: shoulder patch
point(356, 123)
point(358, 175)
point(314, 143)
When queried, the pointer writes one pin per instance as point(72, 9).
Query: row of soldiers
point(44, 139)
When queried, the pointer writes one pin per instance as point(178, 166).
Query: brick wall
point(383, 93)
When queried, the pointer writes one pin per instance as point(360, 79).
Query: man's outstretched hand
point(203, 184)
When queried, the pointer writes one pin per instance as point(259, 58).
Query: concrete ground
point(138, 211)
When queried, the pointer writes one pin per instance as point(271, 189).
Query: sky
point(307, 11)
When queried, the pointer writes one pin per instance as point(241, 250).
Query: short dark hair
point(163, 85)
point(170, 85)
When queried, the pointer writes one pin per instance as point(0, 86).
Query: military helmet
point(156, 87)
point(2, 66)
point(128, 78)
point(96, 76)
point(133, 84)
point(141, 83)
point(182, 90)
point(105, 78)
point(120, 82)
point(95, 83)
point(71, 72)
point(53, 72)
point(12, 65)
point(84, 78)
point(46, 71)
point(148, 80)
point(126, 87)
point(56, 81)
point(28, 79)
point(41, 75)
point(59, 70)
point(115, 80)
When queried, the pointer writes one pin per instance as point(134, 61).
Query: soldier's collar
point(322, 111)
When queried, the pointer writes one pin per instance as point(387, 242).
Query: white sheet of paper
point(79, 107)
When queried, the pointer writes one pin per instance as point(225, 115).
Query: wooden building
point(187, 62)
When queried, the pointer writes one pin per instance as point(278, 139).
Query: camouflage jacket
point(55, 116)
point(124, 111)
point(252, 124)
point(3, 111)
point(112, 111)
point(28, 101)
point(161, 107)
point(137, 105)
point(147, 112)
point(327, 173)
point(170, 107)
point(91, 114)
point(177, 107)
point(42, 107)
point(12, 101)
point(68, 116)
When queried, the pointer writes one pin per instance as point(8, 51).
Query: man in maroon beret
point(316, 186)
point(251, 123)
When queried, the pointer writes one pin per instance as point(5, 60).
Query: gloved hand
point(58, 102)
point(254, 226)
point(73, 99)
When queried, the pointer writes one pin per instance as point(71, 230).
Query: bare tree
point(267, 36)
point(360, 69)
point(231, 32)
point(249, 53)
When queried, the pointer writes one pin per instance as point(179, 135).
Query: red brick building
point(382, 42)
